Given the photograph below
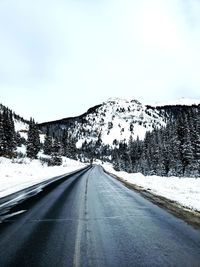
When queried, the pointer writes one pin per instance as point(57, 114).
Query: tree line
point(166, 151)
point(53, 146)
point(170, 150)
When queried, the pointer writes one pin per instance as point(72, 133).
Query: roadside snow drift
point(15, 177)
point(185, 191)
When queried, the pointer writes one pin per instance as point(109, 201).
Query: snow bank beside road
point(185, 191)
point(15, 177)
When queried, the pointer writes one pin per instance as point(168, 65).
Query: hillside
point(163, 140)
point(115, 119)
point(21, 125)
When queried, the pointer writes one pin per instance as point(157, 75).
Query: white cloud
point(155, 27)
point(85, 51)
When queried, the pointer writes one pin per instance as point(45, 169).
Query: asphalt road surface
point(91, 219)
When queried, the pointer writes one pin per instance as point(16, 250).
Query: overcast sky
point(60, 57)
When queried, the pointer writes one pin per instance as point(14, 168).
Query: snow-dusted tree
point(2, 136)
point(195, 138)
point(186, 153)
point(197, 147)
point(48, 144)
point(9, 140)
point(134, 153)
point(68, 145)
point(172, 159)
point(116, 160)
point(56, 153)
point(33, 142)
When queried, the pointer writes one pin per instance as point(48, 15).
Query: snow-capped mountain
point(118, 119)
point(115, 119)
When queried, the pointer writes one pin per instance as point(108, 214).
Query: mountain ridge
point(115, 120)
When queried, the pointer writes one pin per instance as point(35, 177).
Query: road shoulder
point(188, 215)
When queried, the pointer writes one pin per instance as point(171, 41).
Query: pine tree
point(68, 146)
point(56, 148)
point(9, 137)
point(33, 142)
point(2, 136)
point(12, 133)
point(56, 153)
point(186, 145)
point(197, 144)
point(65, 141)
point(173, 144)
point(48, 144)
point(195, 139)
point(116, 160)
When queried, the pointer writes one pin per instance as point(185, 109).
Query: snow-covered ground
point(185, 191)
point(15, 176)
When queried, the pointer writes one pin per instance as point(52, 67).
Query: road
point(91, 219)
